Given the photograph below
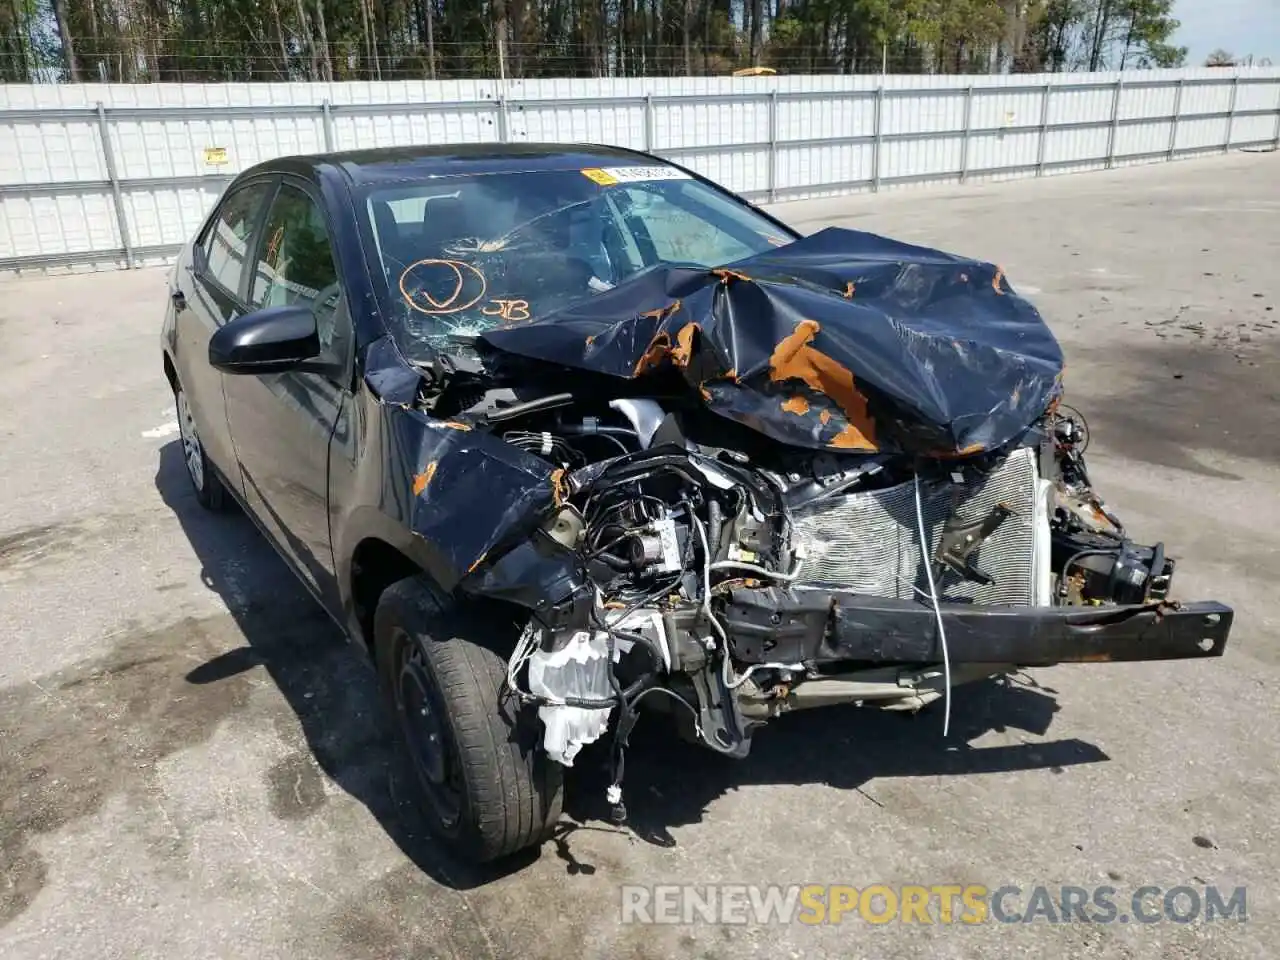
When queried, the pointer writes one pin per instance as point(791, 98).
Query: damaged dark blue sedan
point(563, 433)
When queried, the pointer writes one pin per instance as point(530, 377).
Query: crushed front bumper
point(820, 626)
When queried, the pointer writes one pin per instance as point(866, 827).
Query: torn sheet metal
point(458, 468)
point(843, 340)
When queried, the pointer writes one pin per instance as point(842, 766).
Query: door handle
point(179, 299)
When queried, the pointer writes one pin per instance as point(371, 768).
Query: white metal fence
point(119, 175)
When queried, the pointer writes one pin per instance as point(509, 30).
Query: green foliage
point(1149, 26)
point(262, 40)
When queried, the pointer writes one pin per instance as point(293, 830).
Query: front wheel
point(487, 787)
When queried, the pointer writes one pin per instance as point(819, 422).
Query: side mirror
point(271, 340)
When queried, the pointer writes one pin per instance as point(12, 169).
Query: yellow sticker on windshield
point(608, 176)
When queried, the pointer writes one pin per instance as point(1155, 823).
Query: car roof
point(388, 165)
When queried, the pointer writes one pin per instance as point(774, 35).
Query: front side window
point(295, 261)
point(226, 244)
point(464, 254)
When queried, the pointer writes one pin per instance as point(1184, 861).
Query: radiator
point(868, 542)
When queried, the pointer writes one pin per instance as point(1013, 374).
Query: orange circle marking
point(450, 303)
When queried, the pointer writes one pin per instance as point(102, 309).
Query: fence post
point(1115, 121)
point(1044, 129)
point(879, 138)
point(503, 133)
point(326, 110)
point(773, 145)
point(1231, 112)
point(648, 123)
point(1177, 112)
point(1276, 136)
point(964, 142)
point(117, 201)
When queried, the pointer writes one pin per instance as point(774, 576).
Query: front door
point(281, 424)
point(207, 295)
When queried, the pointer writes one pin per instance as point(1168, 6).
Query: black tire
point(488, 789)
point(205, 482)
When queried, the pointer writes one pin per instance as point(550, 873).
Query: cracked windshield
point(462, 255)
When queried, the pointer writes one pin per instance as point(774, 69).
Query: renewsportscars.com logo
point(815, 904)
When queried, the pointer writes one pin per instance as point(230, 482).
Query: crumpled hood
point(843, 340)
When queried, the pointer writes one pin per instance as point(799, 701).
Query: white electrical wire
point(521, 655)
point(706, 583)
point(746, 674)
point(731, 680)
point(697, 725)
point(925, 556)
point(758, 570)
point(726, 668)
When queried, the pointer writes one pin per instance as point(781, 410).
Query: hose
point(1080, 555)
point(549, 402)
point(937, 609)
point(760, 571)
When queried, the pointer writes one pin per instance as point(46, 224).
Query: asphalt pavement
point(194, 764)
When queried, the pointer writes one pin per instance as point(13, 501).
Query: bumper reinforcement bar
point(819, 626)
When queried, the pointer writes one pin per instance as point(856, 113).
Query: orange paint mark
point(727, 275)
point(421, 480)
point(851, 438)
point(968, 451)
point(591, 339)
point(273, 248)
point(848, 290)
point(683, 351)
point(455, 425)
point(654, 354)
point(731, 375)
point(995, 281)
point(479, 560)
point(662, 313)
point(559, 487)
point(511, 311)
point(450, 303)
point(797, 405)
point(794, 358)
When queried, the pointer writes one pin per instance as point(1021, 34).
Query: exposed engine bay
point(732, 588)
point(727, 510)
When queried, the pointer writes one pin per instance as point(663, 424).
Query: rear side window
point(227, 243)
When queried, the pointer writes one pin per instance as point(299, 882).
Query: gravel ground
point(194, 764)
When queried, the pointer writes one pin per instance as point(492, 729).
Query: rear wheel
point(204, 478)
point(488, 789)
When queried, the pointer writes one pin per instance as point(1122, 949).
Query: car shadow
point(327, 682)
point(840, 746)
point(331, 689)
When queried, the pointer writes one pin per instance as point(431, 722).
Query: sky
point(1238, 26)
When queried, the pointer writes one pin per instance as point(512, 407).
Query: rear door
point(281, 424)
point(207, 295)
